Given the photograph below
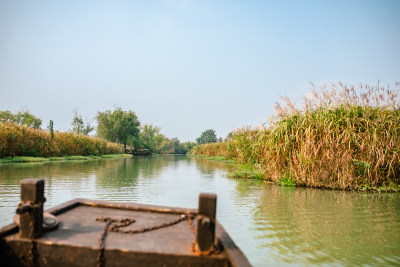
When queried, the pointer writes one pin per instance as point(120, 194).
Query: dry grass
point(19, 140)
point(342, 137)
point(214, 149)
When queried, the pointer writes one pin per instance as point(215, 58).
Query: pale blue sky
point(188, 66)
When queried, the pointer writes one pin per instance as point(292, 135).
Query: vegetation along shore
point(20, 140)
point(343, 137)
point(23, 140)
point(43, 159)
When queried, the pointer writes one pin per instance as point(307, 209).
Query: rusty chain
point(31, 253)
point(189, 218)
point(113, 227)
point(100, 254)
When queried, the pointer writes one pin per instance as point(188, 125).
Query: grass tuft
point(247, 174)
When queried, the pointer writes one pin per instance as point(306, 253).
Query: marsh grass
point(18, 140)
point(246, 174)
point(343, 137)
point(210, 151)
point(42, 159)
point(115, 156)
point(23, 159)
point(77, 158)
point(222, 150)
point(286, 180)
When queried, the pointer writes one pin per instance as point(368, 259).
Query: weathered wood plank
point(31, 208)
point(235, 255)
point(61, 255)
point(205, 234)
point(136, 206)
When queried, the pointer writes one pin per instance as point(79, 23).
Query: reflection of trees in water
point(206, 166)
point(13, 173)
point(126, 172)
point(108, 172)
point(314, 226)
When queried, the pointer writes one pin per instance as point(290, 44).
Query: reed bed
point(343, 137)
point(223, 149)
point(18, 140)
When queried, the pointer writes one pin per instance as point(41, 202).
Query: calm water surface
point(274, 226)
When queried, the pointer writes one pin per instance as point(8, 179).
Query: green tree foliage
point(148, 134)
point(187, 146)
point(6, 116)
point(150, 137)
point(22, 118)
point(50, 127)
point(208, 136)
point(118, 125)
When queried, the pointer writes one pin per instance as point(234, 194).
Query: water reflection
point(310, 226)
point(210, 167)
point(272, 225)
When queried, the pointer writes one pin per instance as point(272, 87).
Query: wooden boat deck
point(76, 240)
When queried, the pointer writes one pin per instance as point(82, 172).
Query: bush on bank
point(20, 140)
point(346, 139)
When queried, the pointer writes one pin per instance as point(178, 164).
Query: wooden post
point(31, 208)
point(205, 234)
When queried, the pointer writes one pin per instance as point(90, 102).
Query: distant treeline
point(116, 126)
point(343, 137)
point(124, 127)
point(21, 140)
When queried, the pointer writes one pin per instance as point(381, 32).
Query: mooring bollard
point(205, 234)
point(30, 208)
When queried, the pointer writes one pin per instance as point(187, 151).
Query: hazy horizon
point(187, 66)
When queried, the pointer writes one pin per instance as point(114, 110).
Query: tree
point(118, 126)
point(50, 127)
point(208, 136)
point(229, 137)
point(188, 146)
point(6, 116)
point(78, 126)
point(27, 119)
point(88, 128)
point(77, 122)
point(176, 146)
point(148, 134)
point(23, 118)
point(160, 143)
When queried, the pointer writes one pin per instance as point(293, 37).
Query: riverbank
point(42, 159)
point(343, 139)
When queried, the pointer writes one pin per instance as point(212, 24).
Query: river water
point(274, 226)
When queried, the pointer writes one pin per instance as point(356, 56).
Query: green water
point(274, 226)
